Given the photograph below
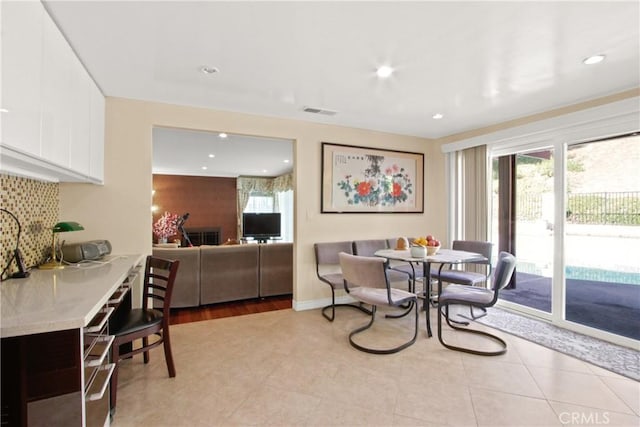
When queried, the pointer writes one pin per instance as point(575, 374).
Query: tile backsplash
point(36, 204)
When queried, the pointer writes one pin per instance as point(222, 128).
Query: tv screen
point(261, 226)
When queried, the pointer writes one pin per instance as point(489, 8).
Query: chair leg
point(384, 351)
point(145, 354)
point(499, 340)
point(166, 341)
point(334, 305)
point(408, 308)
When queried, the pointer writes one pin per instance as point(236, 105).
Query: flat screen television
point(261, 226)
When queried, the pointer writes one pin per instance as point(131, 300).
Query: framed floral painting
point(370, 180)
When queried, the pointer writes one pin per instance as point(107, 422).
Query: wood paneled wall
point(210, 201)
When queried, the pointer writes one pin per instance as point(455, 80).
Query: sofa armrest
point(186, 288)
point(276, 269)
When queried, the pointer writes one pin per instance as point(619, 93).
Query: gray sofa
point(214, 274)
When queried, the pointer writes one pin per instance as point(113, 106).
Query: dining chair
point(369, 247)
point(472, 273)
point(366, 279)
point(142, 323)
point(476, 297)
point(329, 272)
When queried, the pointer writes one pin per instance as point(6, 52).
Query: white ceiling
point(185, 152)
point(478, 63)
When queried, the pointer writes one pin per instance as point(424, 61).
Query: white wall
point(120, 210)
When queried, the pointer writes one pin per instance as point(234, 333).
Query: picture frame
point(357, 179)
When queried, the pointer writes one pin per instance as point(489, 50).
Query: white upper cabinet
point(97, 111)
point(80, 144)
point(21, 75)
point(56, 96)
point(54, 125)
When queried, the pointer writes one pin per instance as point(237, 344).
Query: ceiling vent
point(319, 111)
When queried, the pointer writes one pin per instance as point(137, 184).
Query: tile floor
point(287, 368)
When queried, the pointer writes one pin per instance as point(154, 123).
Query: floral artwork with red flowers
point(376, 186)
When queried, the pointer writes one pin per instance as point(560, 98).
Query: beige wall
point(120, 210)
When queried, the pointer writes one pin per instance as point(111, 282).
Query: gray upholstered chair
point(476, 297)
point(329, 272)
point(366, 279)
point(470, 274)
point(369, 248)
point(467, 275)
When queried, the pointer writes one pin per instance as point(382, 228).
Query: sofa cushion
point(228, 273)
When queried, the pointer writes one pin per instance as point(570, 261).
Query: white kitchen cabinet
point(21, 49)
point(80, 142)
point(54, 127)
point(96, 161)
point(56, 96)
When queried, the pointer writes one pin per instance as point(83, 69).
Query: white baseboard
point(319, 303)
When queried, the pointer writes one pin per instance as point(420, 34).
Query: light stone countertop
point(56, 300)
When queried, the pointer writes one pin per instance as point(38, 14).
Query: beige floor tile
point(536, 355)
point(577, 388)
point(334, 413)
point(503, 409)
point(435, 403)
point(290, 368)
point(627, 390)
point(501, 376)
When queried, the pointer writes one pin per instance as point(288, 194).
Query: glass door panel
point(602, 235)
point(532, 227)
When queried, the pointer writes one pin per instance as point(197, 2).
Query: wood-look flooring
point(228, 309)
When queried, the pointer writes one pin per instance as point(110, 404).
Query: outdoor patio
point(612, 307)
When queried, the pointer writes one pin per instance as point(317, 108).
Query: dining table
point(442, 257)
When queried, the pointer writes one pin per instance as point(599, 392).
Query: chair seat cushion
point(137, 320)
point(378, 296)
point(335, 280)
point(461, 277)
point(465, 294)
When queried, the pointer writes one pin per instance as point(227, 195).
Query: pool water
point(600, 275)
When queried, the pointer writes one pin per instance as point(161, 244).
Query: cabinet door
point(56, 95)
point(80, 148)
point(96, 168)
point(21, 49)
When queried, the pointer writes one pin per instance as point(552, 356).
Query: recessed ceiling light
point(3, 110)
point(384, 71)
point(286, 160)
point(593, 59)
point(222, 135)
point(212, 156)
point(437, 116)
point(204, 168)
point(264, 171)
point(209, 70)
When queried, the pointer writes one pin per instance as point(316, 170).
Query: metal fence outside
point(603, 208)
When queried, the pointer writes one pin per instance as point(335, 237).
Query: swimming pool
point(585, 273)
point(601, 275)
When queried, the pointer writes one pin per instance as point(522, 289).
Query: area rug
point(622, 360)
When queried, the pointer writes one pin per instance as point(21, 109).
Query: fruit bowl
point(432, 250)
point(418, 251)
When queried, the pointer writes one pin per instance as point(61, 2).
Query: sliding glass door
point(602, 235)
point(528, 185)
point(571, 215)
